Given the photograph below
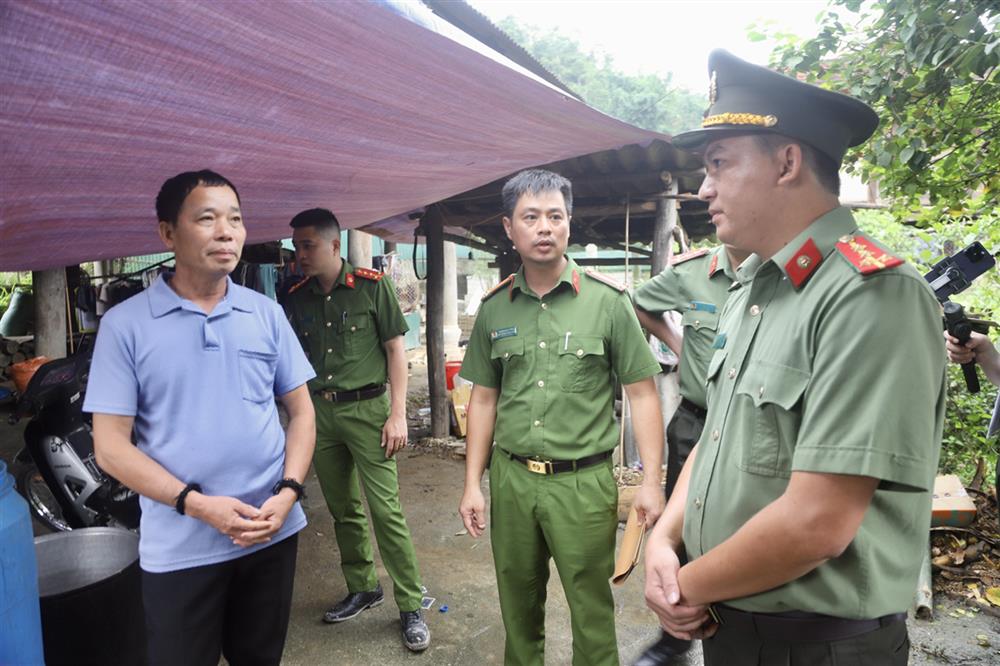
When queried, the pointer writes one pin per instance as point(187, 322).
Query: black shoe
point(416, 635)
point(667, 651)
point(353, 604)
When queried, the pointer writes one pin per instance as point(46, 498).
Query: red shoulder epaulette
point(369, 274)
point(865, 255)
point(498, 286)
point(614, 284)
point(687, 256)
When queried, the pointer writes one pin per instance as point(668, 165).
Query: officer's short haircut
point(535, 181)
point(175, 190)
point(827, 171)
point(322, 219)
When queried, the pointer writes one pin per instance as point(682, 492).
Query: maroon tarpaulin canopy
point(348, 105)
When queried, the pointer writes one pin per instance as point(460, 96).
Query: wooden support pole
point(359, 248)
point(507, 262)
point(666, 220)
point(388, 247)
point(433, 223)
point(50, 312)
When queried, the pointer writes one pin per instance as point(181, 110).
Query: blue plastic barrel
point(20, 621)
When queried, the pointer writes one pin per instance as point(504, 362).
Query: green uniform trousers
point(571, 517)
point(348, 446)
point(741, 646)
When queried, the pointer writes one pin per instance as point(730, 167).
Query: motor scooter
point(59, 476)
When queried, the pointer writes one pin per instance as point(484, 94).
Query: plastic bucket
point(19, 317)
point(451, 369)
point(20, 628)
point(91, 597)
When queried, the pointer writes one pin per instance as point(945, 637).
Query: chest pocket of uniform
point(257, 374)
point(355, 332)
point(699, 319)
point(717, 361)
point(509, 352)
point(582, 364)
point(769, 397)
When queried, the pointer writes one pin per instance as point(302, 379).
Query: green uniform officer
point(546, 347)
point(695, 284)
point(806, 503)
point(350, 325)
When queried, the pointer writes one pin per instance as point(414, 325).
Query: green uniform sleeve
point(478, 367)
point(390, 320)
point(631, 358)
point(662, 293)
point(878, 355)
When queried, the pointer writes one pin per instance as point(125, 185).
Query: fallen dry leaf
point(993, 594)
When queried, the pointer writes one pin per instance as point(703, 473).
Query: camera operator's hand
point(978, 349)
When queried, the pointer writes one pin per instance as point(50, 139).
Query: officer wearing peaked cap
point(823, 426)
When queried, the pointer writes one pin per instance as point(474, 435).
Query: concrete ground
point(458, 572)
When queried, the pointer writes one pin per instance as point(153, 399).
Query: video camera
point(953, 275)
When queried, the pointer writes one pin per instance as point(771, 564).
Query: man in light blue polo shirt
point(192, 367)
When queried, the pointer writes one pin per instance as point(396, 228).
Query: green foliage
point(649, 101)
point(966, 421)
point(932, 71)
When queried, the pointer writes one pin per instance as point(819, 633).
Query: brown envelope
point(629, 553)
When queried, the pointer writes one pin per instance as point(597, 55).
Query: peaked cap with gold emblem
point(749, 99)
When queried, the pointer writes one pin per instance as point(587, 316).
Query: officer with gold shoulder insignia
point(349, 322)
point(544, 352)
point(805, 505)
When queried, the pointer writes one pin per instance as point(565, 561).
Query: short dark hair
point(827, 171)
point(534, 181)
point(175, 190)
point(321, 218)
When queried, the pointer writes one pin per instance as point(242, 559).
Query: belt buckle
point(539, 466)
point(714, 614)
point(329, 396)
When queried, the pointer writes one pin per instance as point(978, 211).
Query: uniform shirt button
point(537, 423)
point(329, 324)
point(760, 392)
point(328, 298)
point(329, 377)
point(697, 324)
point(732, 373)
point(542, 344)
point(545, 306)
point(329, 351)
point(754, 310)
point(306, 334)
point(579, 352)
point(541, 383)
point(354, 328)
point(715, 435)
point(506, 354)
point(697, 502)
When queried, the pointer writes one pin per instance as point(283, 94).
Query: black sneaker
point(668, 651)
point(416, 635)
point(353, 604)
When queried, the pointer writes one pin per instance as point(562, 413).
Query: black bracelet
point(300, 490)
point(179, 503)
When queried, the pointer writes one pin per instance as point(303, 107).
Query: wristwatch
point(300, 490)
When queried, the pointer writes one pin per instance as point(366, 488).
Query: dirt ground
point(458, 573)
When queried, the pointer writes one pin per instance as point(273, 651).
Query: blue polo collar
point(164, 300)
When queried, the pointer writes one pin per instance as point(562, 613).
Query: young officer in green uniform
point(350, 325)
point(696, 284)
point(805, 505)
point(545, 350)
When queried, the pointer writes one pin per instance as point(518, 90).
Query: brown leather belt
point(363, 393)
point(540, 466)
point(798, 627)
point(697, 410)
